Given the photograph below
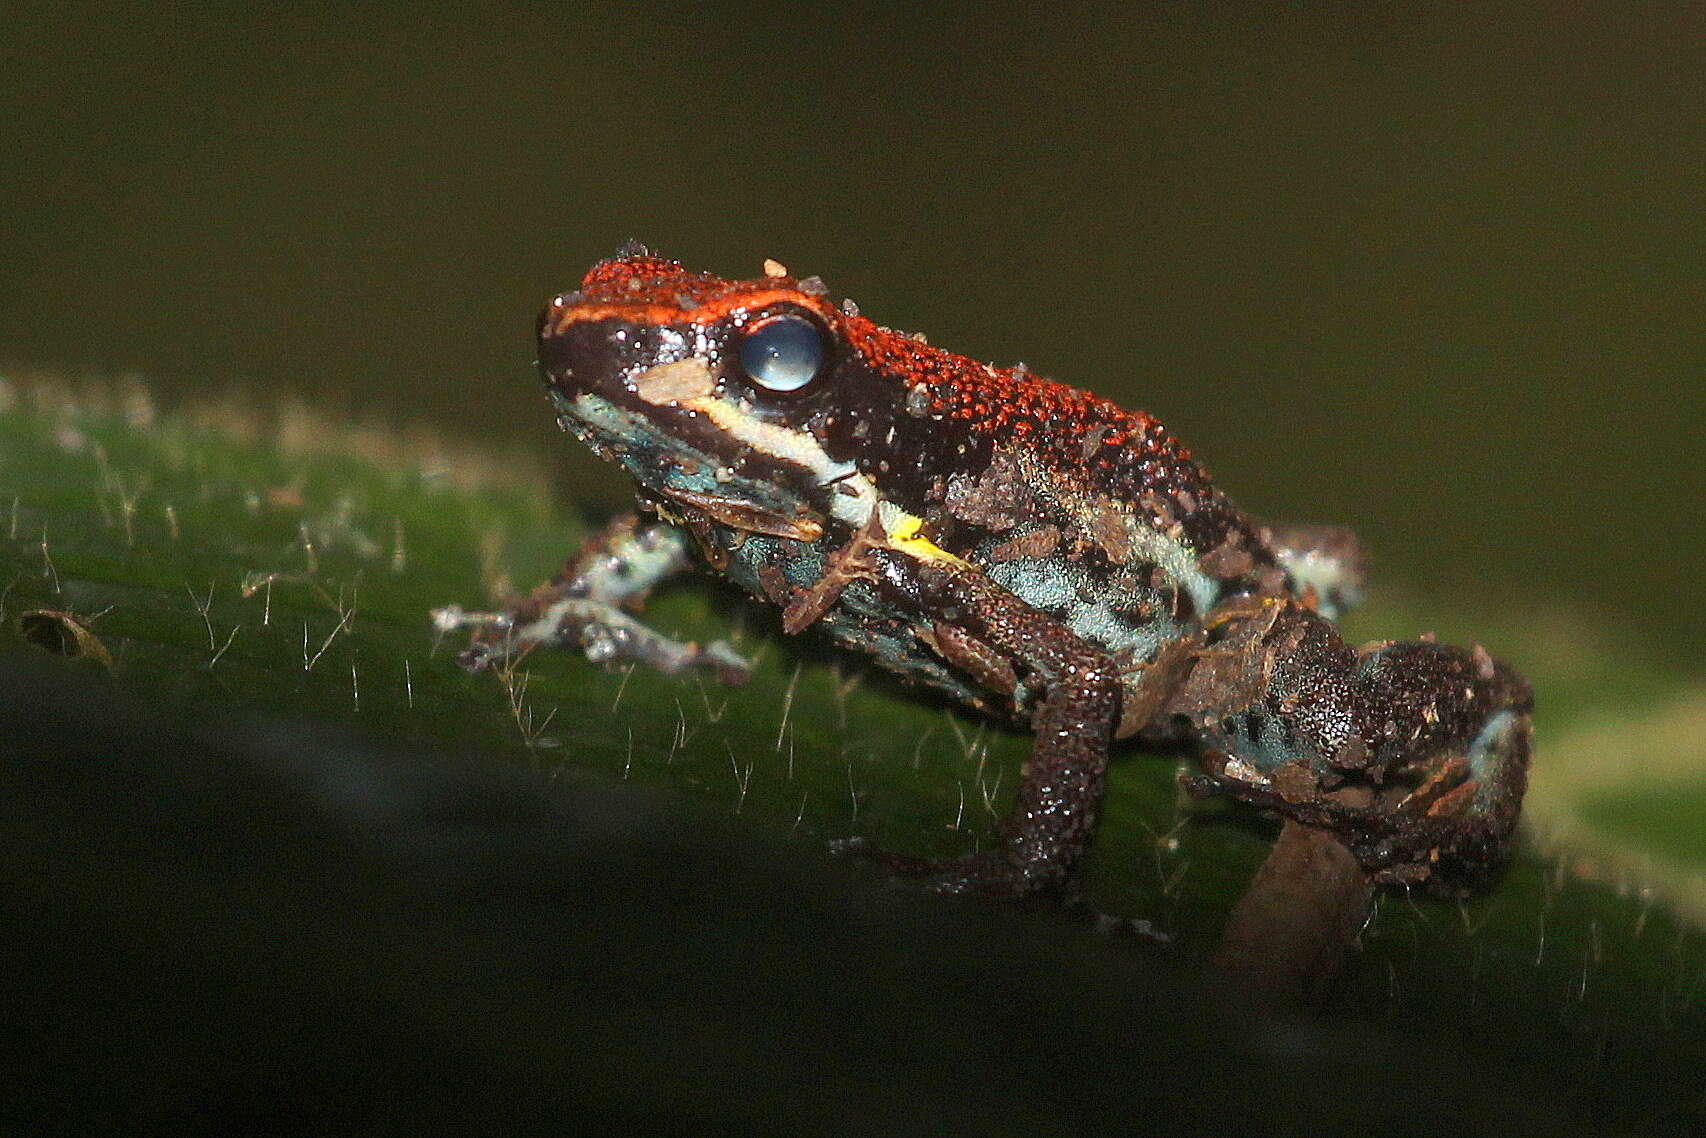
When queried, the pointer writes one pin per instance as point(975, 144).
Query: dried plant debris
point(63, 634)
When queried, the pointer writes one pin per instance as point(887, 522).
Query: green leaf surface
point(280, 569)
point(1667, 825)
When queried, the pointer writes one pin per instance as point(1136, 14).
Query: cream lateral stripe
point(799, 448)
point(802, 450)
point(688, 383)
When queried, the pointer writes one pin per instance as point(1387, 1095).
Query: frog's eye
point(782, 353)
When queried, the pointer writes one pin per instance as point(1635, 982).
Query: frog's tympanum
point(1029, 550)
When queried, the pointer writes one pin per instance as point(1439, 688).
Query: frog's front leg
point(1074, 716)
point(584, 608)
point(1415, 755)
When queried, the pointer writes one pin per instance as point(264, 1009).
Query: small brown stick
point(1288, 935)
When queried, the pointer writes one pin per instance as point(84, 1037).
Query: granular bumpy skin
point(1029, 550)
point(1414, 754)
point(1118, 452)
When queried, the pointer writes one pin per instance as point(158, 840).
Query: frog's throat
point(852, 496)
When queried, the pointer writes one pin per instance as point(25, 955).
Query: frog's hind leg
point(1415, 755)
point(1002, 638)
point(584, 607)
point(1326, 565)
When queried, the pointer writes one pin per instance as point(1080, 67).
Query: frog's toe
point(988, 873)
point(478, 657)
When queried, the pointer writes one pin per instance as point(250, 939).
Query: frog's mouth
point(662, 457)
point(650, 397)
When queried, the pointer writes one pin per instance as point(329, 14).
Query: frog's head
point(723, 395)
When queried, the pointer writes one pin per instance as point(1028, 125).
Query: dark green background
point(1432, 269)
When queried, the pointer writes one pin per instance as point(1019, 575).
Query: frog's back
point(1086, 511)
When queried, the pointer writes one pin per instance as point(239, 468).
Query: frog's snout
point(556, 363)
point(577, 356)
point(551, 316)
point(556, 353)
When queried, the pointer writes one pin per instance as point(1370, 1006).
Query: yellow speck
point(907, 536)
point(774, 269)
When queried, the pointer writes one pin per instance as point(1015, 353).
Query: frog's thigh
point(1327, 561)
point(1415, 754)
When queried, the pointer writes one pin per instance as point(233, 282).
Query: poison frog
point(1028, 550)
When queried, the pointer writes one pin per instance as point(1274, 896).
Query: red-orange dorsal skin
point(651, 290)
point(998, 402)
point(1066, 426)
point(915, 416)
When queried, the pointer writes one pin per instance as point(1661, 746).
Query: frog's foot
point(1327, 565)
point(988, 873)
point(604, 633)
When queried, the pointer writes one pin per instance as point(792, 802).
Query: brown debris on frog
point(1036, 543)
point(744, 517)
point(1153, 687)
point(996, 499)
point(852, 562)
point(1234, 672)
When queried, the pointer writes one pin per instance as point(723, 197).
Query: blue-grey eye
point(783, 353)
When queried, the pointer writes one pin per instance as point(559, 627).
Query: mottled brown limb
point(1055, 809)
point(619, 565)
point(586, 606)
point(850, 563)
point(1414, 754)
point(1289, 934)
point(987, 668)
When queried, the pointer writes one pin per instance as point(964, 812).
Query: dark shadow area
point(255, 926)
